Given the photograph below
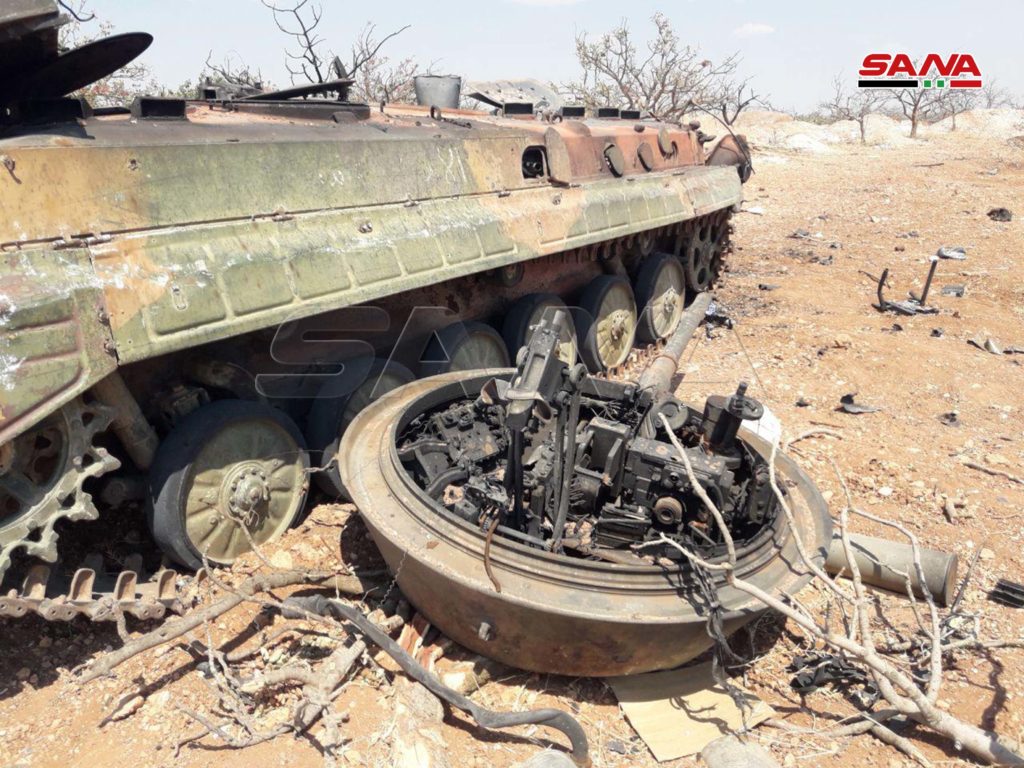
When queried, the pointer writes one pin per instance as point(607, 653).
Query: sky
point(792, 49)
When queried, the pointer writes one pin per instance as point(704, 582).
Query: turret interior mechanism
point(576, 465)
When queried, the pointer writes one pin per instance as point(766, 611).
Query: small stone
point(789, 761)
point(885, 491)
point(23, 674)
point(987, 554)
point(616, 746)
point(45, 642)
point(282, 560)
point(354, 757)
point(842, 341)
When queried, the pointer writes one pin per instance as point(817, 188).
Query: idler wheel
point(464, 346)
point(338, 402)
point(661, 293)
point(555, 613)
point(527, 313)
point(608, 322)
point(229, 464)
point(701, 252)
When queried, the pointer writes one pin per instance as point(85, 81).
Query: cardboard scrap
point(678, 713)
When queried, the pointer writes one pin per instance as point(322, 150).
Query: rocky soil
point(805, 335)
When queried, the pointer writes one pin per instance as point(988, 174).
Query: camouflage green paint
point(194, 231)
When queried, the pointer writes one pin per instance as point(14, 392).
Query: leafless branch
point(663, 78)
point(899, 689)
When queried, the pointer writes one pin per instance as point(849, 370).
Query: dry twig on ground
point(901, 692)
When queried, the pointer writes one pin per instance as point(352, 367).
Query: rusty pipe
point(887, 564)
point(658, 375)
point(129, 424)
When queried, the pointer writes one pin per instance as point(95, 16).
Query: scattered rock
point(549, 759)
point(842, 341)
point(767, 287)
point(987, 554)
point(986, 345)
point(417, 741)
point(954, 290)
point(951, 419)
point(283, 560)
point(1000, 214)
point(803, 402)
point(127, 707)
point(885, 491)
point(617, 747)
point(938, 333)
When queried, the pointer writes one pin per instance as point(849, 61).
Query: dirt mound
point(998, 123)
point(776, 130)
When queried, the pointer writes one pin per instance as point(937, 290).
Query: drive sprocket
point(42, 476)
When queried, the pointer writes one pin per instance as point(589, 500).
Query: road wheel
point(607, 322)
point(231, 463)
point(464, 346)
point(660, 293)
point(338, 403)
point(527, 313)
point(701, 253)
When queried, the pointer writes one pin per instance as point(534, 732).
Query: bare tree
point(377, 78)
point(956, 101)
point(134, 79)
point(732, 98)
point(311, 60)
point(663, 78)
point(853, 105)
point(994, 95)
point(917, 104)
point(234, 72)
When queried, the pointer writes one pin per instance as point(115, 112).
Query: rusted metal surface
point(96, 596)
point(131, 238)
point(553, 614)
point(307, 229)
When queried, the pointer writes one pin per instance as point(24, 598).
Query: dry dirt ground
point(812, 338)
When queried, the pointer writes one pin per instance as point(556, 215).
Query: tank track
point(98, 596)
point(89, 593)
point(94, 595)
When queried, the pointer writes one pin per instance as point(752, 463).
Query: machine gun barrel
point(658, 375)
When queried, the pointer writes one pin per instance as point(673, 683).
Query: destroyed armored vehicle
point(559, 522)
point(198, 297)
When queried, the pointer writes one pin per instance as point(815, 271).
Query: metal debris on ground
point(914, 305)
point(715, 316)
point(1008, 593)
point(848, 404)
point(955, 252)
point(803, 234)
point(817, 670)
point(954, 290)
point(1000, 214)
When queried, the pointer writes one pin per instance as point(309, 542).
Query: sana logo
point(886, 70)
